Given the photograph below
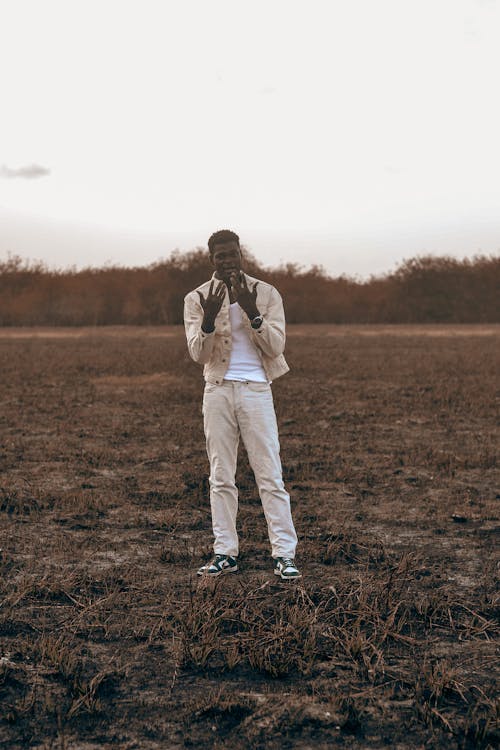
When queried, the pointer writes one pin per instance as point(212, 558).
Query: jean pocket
point(258, 387)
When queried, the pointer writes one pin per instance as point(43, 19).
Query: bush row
point(424, 289)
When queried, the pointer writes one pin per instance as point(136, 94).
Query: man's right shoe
point(220, 565)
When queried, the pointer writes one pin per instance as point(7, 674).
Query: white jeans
point(247, 409)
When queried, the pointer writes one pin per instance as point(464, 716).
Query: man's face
point(226, 259)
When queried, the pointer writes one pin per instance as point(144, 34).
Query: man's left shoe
point(285, 568)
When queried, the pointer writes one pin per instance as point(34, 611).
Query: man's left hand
point(245, 297)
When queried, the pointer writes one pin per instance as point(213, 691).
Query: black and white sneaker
point(220, 565)
point(285, 568)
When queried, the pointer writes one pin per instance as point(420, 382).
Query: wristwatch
point(257, 321)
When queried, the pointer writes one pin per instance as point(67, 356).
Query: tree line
point(424, 289)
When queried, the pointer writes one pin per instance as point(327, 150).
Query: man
point(235, 327)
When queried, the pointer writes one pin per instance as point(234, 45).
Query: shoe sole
point(287, 578)
point(219, 573)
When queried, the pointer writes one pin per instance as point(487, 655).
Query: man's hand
point(212, 305)
point(246, 298)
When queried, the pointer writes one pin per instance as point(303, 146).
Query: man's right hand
point(212, 305)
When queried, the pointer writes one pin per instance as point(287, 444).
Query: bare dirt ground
point(107, 638)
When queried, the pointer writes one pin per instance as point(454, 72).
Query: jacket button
point(223, 360)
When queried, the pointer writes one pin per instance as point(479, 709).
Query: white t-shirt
point(244, 362)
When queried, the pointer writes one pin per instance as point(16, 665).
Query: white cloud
point(28, 172)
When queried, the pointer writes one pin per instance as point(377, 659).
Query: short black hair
point(220, 238)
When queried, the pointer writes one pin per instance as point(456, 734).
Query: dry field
point(108, 639)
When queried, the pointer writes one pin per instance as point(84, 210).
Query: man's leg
point(222, 436)
point(259, 432)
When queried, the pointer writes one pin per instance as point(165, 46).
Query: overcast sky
point(352, 133)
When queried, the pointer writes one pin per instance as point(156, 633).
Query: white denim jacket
point(213, 349)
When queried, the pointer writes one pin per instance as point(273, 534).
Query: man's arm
point(270, 337)
point(200, 344)
point(199, 320)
